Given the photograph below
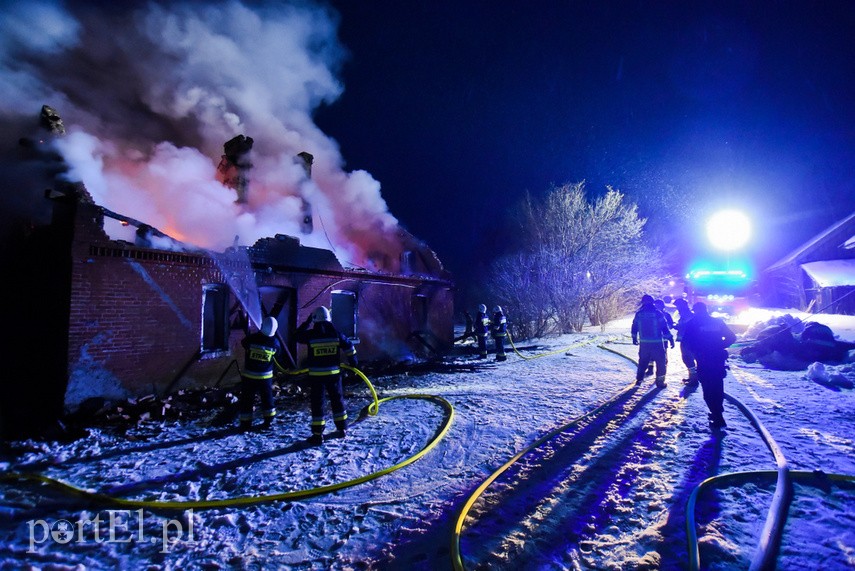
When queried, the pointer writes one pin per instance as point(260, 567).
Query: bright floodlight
point(728, 230)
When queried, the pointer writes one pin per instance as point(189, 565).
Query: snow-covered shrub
point(574, 261)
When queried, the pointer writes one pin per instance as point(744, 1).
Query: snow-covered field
point(608, 492)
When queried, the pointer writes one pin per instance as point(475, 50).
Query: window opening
point(344, 313)
point(215, 318)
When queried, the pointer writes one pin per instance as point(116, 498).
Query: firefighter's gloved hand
point(634, 341)
point(672, 343)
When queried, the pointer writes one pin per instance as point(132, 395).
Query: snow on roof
point(831, 273)
point(795, 254)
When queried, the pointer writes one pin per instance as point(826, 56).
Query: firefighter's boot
point(693, 377)
point(341, 429)
point(660, 381)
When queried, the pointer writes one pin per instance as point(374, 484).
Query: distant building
point(817, 276)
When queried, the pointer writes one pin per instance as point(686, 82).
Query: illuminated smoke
point(148, 98)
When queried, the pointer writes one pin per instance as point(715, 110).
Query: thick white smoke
point(148, 98)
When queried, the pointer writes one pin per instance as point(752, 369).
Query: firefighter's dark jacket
point(482, 324)
point(326, 348)
point(261, 353)
point(708, 337)
point(500, 325)
point(649, 326)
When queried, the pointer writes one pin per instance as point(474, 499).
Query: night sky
point(459, 108)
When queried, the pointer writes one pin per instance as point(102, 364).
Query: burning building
point(121, 319)
point(147, 320)
point(132, 277)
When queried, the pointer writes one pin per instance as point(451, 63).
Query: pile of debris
point(788, 344)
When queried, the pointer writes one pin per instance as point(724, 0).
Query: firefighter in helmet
point(650, 332)
point(708, 338)
point(686, 314)
point(326, 346)
point(261, 347)
point(499, 332)
point(482, 329)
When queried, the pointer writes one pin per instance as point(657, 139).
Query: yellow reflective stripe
point(258, 376)
point(324, 372)
point(261, 353)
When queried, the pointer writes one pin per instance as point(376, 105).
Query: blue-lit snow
point(589, 502)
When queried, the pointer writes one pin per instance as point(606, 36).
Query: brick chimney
point(306, 222)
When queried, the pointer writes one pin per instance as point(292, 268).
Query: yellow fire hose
point(557, 351)
point(773, 528)
point(456, 557)
point(373, 409)
point(729, 479)
point(770, 535)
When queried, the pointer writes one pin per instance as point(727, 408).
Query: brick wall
point(136, 314)
point(135, 320)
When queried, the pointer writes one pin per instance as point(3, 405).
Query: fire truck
point(726, 292)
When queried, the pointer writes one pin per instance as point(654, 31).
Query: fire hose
point(773, 528)
point(557, 351)
point(372, 409)
point(766, 553)
point(456, 556)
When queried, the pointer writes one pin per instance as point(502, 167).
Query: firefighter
point(325, 349)
point(685, 315)
point(650, 332)
point(660, 305)
point(708, 338)
point(499, 325)
point(482, 329)
point(261, 347)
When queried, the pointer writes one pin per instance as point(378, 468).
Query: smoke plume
point(150, 94)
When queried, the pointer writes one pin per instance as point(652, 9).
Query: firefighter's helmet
point(646, 298)
point(497, 309)
point(482, 308)
point(269, 325)
point(321, 314)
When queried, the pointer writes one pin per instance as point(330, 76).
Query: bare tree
point(578, 262)
point(517, 283)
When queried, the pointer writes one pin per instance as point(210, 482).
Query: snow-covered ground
point(608, 492)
